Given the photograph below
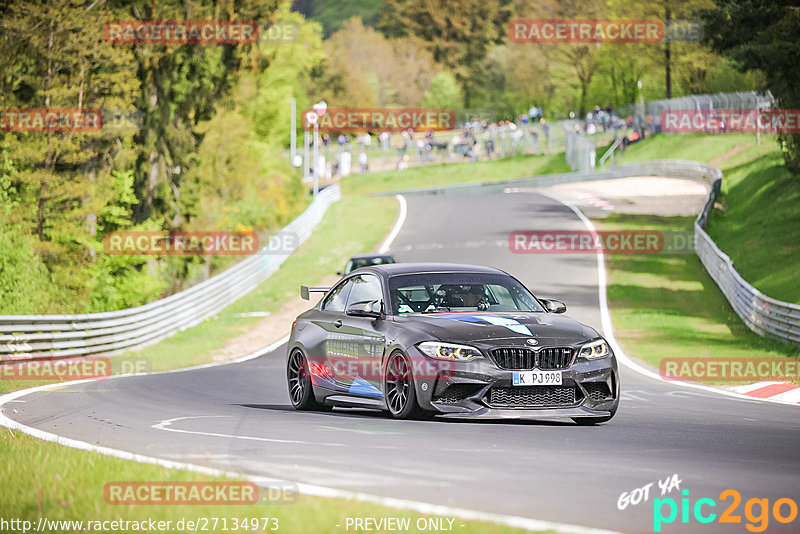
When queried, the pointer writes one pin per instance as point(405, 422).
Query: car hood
point(487, 327)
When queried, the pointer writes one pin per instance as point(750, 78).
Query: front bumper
point(480, 389)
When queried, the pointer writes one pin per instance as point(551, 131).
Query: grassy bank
point(694, 147)
point(455, 173)
point(758, 224)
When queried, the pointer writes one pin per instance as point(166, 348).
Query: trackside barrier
point(763, 315)
point(41, 337)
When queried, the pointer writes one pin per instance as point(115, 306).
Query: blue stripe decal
point(362, 387)
point(511, 324)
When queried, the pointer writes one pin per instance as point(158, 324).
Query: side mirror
point(363, 309)
point(554, 306)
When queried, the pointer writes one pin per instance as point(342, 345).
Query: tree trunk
point(668, 57)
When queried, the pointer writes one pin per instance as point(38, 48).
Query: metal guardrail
point(610, 152)
point(38, 337)
point(763, 315)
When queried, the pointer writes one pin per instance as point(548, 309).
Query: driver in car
point(467, 296)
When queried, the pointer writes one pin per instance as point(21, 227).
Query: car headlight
point(594, 350)
point(448, 351)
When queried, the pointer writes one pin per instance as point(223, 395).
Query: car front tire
point(401, 394)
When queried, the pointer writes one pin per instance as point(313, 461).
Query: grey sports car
point(456, 341)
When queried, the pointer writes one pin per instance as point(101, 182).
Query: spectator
point(362, 160)
point(534, 139)
point(546, 132)
point(629, 140)
point(405, 140)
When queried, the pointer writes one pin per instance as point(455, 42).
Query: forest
point(196, 135)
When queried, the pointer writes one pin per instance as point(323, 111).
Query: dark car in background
point(455, 341)
point(365, 260)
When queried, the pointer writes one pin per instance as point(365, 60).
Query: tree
point(444, 92)
point(576, 62)
point(365, 69)
point(762, 35)
point(181, 85)
point(62, 62)
point(459, 36)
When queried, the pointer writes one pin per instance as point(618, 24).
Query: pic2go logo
point(757, 511)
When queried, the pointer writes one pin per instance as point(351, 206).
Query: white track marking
point(166, 424)
point(398, 224)
point(747, 388)
point(792, 396)
point(608, 328)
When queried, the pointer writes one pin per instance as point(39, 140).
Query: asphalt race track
point(238, 416)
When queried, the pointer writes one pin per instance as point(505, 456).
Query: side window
point(336, 299)
point(366, 287)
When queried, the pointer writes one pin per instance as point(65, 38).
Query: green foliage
point(207, 154)
point(332, 14)
point(762, 35)
point(444, 92)
point(25, 284)
point(290, 67)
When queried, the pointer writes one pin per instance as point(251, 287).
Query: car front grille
point(532, 396)
point(597, 390)
point(546, 358)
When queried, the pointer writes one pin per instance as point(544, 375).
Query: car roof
point(367, 256)
point(393, 269)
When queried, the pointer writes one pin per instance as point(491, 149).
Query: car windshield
point(457, 292)
point(357, 263)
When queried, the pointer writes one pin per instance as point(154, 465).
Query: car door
point(366, 334)
point(329, 358)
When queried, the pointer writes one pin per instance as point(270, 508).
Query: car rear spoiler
point(305, 291)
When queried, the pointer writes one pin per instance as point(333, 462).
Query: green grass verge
point(667, 306)
point(59, 483)
point(455, 173)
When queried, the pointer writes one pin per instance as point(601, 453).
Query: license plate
point(537, 378)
